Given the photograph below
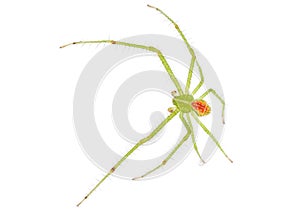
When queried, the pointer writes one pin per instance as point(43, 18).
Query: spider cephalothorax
point(185, 104)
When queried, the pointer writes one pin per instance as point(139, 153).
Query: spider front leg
point(164, 162)
point(192, 52)
point(148, 48)
point(218, 97)
point(141, 142)
point(210, 135)
point(193, 137)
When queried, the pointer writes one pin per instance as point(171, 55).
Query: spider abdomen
point(201, 107)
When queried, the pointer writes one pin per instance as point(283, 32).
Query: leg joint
point(153, 49)
point(193, 55)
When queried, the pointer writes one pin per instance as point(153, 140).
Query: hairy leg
point(148, 48)
point(193, 59)
point(141, 142)
point(218, 97)
point(164, 162)
point(193, 137)
point(210, 135)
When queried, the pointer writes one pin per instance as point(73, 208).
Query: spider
point(184, 104)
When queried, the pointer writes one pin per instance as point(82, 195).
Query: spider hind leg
point(164, 162)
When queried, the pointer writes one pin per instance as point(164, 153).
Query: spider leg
point(218, 97)
point(187, 135)
point(141, 142)
point(201, 79)
point(148, 48)
point(210, 135)
point(193, 137)
point(193, 59)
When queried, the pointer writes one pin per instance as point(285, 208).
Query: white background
point(252, 45)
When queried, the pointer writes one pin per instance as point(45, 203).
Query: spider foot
point(137, 178)
point(202, 162)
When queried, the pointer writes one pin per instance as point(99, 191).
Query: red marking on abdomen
point(201, 107)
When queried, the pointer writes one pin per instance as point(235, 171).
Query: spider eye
point(201, 107)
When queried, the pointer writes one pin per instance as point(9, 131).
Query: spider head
point(201, 107)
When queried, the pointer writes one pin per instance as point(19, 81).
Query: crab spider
point(184, 103)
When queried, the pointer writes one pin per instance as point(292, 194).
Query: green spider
point(184, 104)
